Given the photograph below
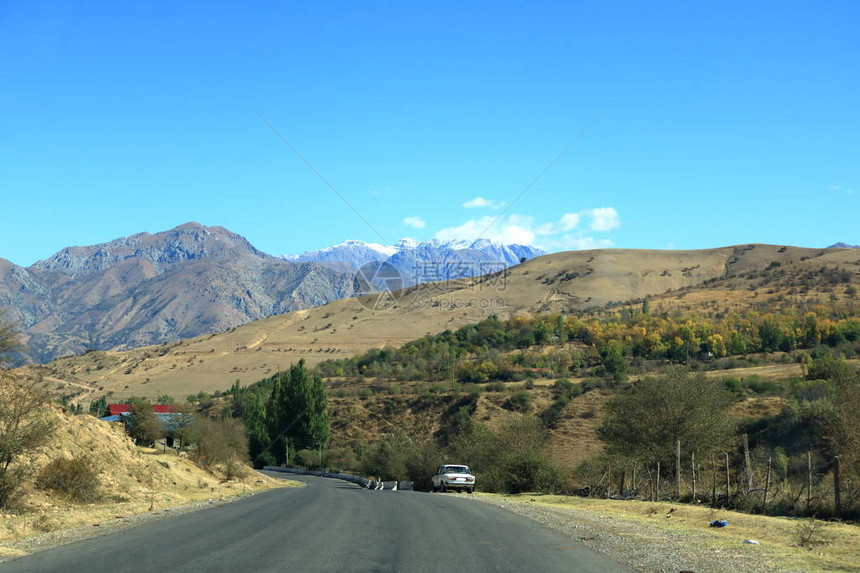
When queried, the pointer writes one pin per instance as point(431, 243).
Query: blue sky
point(718, 124)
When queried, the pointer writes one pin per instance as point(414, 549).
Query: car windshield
point(456, 470)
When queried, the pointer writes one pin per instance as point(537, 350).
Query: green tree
point(142, 424)
point(99, 407)
point(644, 421)
point(613, 359)
point(297, 409)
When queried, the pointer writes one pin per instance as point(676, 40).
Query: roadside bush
point(308, 458)
point(219, 442)
point(75, 479)
point(509, 460)
point(400, 457)
point(341, 459)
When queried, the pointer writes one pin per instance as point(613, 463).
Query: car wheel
point(442, 487)
point(471, 490)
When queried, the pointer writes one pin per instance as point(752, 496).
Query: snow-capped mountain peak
point(429, 260)
point(406, 244)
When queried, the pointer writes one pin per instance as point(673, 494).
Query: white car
point(453, 476)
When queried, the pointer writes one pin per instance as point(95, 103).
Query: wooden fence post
point(693, 474)
point(747, 464)
point(808, 480)
point(714, 482)
point(657, 489)
point(651, 495)
point(728, 481)
point(837, 491)
point(633, 477)
point(677, 469)
point(608, 482)
point(767, 482)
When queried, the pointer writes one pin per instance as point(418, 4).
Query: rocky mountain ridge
point(193, 280)
point(152, 288)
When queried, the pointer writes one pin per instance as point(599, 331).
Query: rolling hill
point(708, 281)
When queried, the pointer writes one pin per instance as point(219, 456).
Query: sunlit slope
point(570, 281)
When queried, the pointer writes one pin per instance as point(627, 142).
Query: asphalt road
point(328, 526)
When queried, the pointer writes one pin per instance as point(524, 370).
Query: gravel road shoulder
point(645, 547)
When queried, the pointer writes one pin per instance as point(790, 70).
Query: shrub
point(341, 458)
point(75, 479)
point(218, 442)
point(508, 460)
point(520, 401)
point(562, 385)
point(308, 458)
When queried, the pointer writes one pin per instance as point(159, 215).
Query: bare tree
point(9, 340)
point(24, 426)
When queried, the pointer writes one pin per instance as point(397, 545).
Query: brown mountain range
point(150, 288)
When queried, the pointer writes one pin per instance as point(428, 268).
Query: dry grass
point(829, 546)
point(131, 480)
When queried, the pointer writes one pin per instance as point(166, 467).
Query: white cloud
point(568, 222)
point(563, 234)
point(513, 229)
point(415, 222)
point(603, 218)
point(480, 202)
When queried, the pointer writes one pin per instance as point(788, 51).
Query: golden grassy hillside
point(131, 480)
point(709, 281)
